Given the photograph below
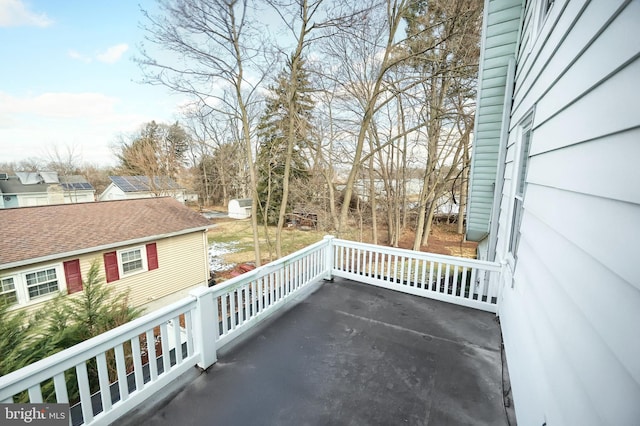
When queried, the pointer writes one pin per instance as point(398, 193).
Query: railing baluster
point(151, 354)
point(242, 298)
point(177, 338)
point(103, 381)
point(455, 281)
point(254, 298)
point(35, 394)
point(225, 313)
point(137, 362)
point(402, 266)
point(430, 283)
point(472, 285)
point(121, 370)
point(463, 283)
point(60, 386)
point(85, 392)
point(446, 278)
point(188, 325)
point(164, 341)
point(232, 309)
point(260, 282)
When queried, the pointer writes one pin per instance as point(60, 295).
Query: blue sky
point(67, 79)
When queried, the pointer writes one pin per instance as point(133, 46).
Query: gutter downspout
point(502, 155)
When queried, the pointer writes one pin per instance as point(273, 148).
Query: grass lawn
point(239, 231)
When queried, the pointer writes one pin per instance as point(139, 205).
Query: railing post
point(328, 257)
point(503, 276)
point(205, 326)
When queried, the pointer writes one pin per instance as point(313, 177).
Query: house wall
point(112, 192)
point(78, 197)
point(29, 200)
point(571, 304)
point(182, 265)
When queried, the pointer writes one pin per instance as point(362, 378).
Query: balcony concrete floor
point(353, 354)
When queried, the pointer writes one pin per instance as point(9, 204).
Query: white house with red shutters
point(155, 248)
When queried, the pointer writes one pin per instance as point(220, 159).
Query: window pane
point(41, 283)
point(132, 266)
point(8, 294)
point(8, 298)
point(31, 279)
point(6, 284)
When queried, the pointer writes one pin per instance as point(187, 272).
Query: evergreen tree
point(273, 132)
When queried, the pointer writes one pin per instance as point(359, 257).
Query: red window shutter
point(111, 266)
point(152, 256)
point(73, 275)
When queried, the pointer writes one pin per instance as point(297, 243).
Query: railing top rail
point(263, 270)
point(453, 260)
point(46, 368)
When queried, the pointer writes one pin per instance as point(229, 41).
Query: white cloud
point(59, 105)
point(74, 54)
point(91, 121)
point(15, 13)
point(113, 53)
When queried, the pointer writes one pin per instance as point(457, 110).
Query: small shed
point(240, 208)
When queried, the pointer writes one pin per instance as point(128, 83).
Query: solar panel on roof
point(76, 186)
point(123, 183)
point(142, 183)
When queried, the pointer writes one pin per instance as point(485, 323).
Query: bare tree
point(218, 59)
point(363, 53)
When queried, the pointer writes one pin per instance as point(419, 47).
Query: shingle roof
point(12, 185)
point(44, 231)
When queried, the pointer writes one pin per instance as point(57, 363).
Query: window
point(42, 282)
point(131, 261)
point(520, 177)
point(37, 285)
point(8, 293)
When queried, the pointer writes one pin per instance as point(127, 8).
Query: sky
point(68, 81)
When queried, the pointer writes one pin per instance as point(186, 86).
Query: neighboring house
point(43, 188)
point(132, 187)
point(240, 209)
point(558, 136)
point(156, 248)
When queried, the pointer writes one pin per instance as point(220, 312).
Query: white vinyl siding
point(182, 264)
point(570, 323)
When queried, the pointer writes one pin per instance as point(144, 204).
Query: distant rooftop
point(143, 183)
point(37, 182)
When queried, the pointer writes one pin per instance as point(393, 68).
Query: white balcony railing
point(466, 282)
point(111, 374)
